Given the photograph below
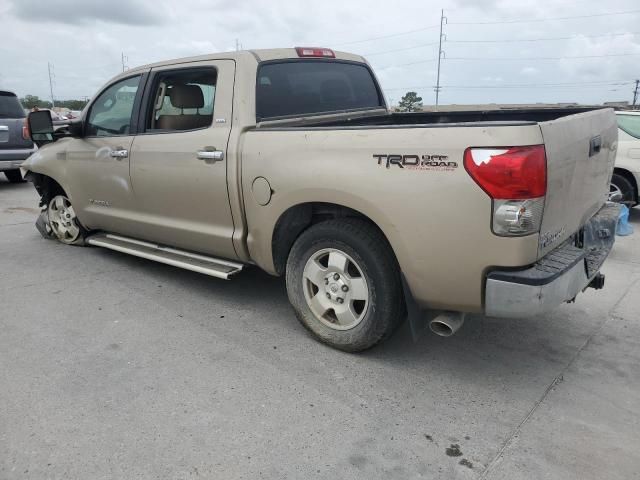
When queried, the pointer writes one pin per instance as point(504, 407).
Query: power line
point(545, 39)
point(512, 59)
point(548, 19)
point(388, 36)
point(431, 60)
point(497, 41)
point(568, 57)
point(400, 49)
point(597, 84)
point(496, 22)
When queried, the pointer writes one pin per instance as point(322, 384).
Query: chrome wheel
point(615, 193)
point(63, 220)
point(335, 289)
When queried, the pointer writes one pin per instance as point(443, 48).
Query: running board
point(214, 267)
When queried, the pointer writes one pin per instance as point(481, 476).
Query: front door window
point(111, 112)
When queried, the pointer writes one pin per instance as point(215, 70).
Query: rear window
point(303, 87)
point(630, 124)
point(10, 106)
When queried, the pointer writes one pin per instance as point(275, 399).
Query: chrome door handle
point(119, 153)
point(214, 155)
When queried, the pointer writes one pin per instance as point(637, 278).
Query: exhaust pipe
point(447, 323)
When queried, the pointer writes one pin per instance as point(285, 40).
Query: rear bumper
point(556, 278)
point(12, 159)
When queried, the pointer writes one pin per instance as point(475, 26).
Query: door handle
point(214, 155)
point(119, 153)
point(594, 145)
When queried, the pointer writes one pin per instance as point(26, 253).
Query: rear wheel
point(14, 176)
point(344, 284)
point(621, 190)
point(63, 221)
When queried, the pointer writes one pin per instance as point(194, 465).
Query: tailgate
point(11, 134)
point(580, 157)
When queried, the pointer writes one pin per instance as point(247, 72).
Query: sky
point(495, 51)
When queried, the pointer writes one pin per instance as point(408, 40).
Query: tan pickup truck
point(290, 160)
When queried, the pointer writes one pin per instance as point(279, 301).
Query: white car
point(626, 175)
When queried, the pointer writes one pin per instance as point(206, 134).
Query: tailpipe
point(447, 323)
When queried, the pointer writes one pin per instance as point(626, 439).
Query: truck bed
point(480, 117)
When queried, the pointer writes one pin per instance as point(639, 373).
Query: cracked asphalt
point(114, 367)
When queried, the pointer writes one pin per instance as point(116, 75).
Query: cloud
point(85, 39)
point(529, 71)
point(78, 12)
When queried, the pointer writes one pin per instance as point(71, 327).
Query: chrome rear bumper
point(556, 278)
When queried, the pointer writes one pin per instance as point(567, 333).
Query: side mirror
point(40, 126)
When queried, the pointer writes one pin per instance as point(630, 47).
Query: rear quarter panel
point(437, 220)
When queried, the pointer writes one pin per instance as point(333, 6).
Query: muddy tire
point(344, 284)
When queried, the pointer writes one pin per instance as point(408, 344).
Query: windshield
point(629, 124)
point(10, 106)
point(303, 87)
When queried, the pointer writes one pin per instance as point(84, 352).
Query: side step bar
point(214, 267)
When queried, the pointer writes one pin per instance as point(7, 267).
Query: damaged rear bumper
point(557, 277)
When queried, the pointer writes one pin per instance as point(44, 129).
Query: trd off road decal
point(417, 162)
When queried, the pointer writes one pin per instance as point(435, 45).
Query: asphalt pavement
point(114, 367)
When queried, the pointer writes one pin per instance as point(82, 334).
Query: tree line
point(31, 101)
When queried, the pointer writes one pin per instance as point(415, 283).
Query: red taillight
point(315, 52)
point(509, 173)
point(25, 130)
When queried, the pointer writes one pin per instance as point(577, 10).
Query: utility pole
point(125, 59)
point(635, 94)
point(441, 53)
point(238, 46)
point(50, 68)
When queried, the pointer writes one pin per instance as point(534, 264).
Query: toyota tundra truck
point(290, 160)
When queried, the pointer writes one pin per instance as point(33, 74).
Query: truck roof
point(257, 55)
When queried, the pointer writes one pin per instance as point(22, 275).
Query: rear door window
point(183, 100)
point(304, 87)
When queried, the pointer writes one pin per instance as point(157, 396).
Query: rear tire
point(620, 185)
point(344, 284)
point(14, 176)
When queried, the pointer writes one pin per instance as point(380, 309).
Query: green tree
point(411, 102)
point(30, 101)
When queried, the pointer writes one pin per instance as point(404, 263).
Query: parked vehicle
point(626, 174)
point(289, 160)
point(15, 145)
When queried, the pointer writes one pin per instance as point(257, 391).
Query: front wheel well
point(298, 218)
point(631, 178)
point(46, 187)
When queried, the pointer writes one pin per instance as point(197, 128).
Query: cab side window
point(183, 100)
point(111, 112)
